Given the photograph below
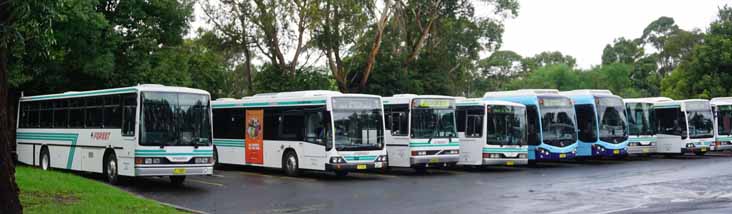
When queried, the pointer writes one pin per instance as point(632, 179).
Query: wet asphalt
point(680, 184)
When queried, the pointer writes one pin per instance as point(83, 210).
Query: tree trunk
point(248, 69)
point(9, 201)
point(375, 46)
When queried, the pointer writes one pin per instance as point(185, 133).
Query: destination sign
point(697, 106)
point(556, 102)
point(433, 103)
point(504, 109)
point(345, 103)
point(608, 101)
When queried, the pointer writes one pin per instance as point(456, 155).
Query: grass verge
point(64, 192)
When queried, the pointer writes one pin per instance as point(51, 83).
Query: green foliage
point(557, 76)
point(548, 58)
point(272, 79)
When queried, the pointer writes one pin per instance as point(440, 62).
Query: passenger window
point(45, 114)
point(129, 107)
point(60, 114)
point(76, 113)
point(94, 114)
point(586, 122)
point(315, 128)
point(112, 112)
point(474, 123)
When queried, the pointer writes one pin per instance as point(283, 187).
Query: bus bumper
point(695, 150)
point(598, 150)
point(435, 159)
point(350, 167)
point(723, 146)
point(505, 161)
point(166, 170)
point(637, 150)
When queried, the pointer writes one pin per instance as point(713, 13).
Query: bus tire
point(420, 169)
point(532, 163)
point(111, 168)
point(699, 153)
point(45, 159)
point(177, 180)
point(290, 164)
point(341, 173)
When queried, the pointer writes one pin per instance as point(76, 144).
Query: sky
point(582, 28)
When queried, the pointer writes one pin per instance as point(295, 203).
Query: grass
point(63, 192)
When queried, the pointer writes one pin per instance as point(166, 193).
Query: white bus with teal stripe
point(684, 126)
point(302, 130)
point(146, 130)
point(492, 132)
point(421, 131)
point(722, 107)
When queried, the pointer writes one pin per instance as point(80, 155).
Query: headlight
point(689, 145)
point(523, 155)
point(202, 160)
point(382, 158)
point(419, 153)
point(141, 160)
point(337, 160)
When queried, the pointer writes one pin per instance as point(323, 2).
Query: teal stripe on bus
point(261, 104)
point(360, 158)
point(432, 145)
point(72, 138)
point(172, 154)
point(486, 150)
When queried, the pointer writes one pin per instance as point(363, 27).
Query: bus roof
point(481, 102)
point(721, 101)
point(407, 98)
point(521, 92)
point(677, 102)
point(650, 100)
point(588, 92)
point(132, 89)
point(295, 98)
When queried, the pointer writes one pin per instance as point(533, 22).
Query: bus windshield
point(175, 119)
point(724, 120)
point(506, 125)
point(359, 124)
point(640, 119)
point(700, 124)
point(433, 123)
point(557, 122)
point(612, 120)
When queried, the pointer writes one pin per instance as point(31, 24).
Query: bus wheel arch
point(110, 166)
point(44, 160)
point(290, 162)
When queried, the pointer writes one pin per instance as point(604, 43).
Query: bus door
point(471, 145)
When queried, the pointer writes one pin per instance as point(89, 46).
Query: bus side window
point(315, 127)
point(460, 113)
point(45, 114)
point(60, 114)
point(474, 126)
point(112, 112)
point(532, 120)
point(76, 113)
point(129, 106)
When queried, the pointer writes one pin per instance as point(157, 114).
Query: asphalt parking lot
point(683, 184)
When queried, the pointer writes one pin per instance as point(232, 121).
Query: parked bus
point(146, 130)
point(642, 124)
point(684, 126)
point(602, 126)
point(491, 132)
point(311, 130)
point(722, 109)
point(421, 131)
point(551, 125)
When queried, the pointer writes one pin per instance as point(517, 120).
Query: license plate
point(645, 150)
point(615, 152)
point(562, 155)
point(361, 166)
point(434, 160)
point(703, 149)
point(509, 163)
point(179, 171)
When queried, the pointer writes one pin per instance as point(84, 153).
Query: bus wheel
point(215, 157)
point(290, 164)
point(177, 180)
point(341, 173)
point(699, 153)
point(110, 169)
point(45, 161)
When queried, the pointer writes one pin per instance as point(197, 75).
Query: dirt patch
point(56, 198)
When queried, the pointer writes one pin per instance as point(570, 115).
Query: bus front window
point(700, 124)
point(175, 119)
point(724, 120)
point(506, 125)
point(612, 120)
point(359, 124)
point(557, 122)
point(433, 123)
point(640, 120)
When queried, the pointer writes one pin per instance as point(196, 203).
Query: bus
point(551, 123)
point(421, 131)
point(722, 109)
point(491, 132)
point(145, 130)
point(684, 126)
point(602, 126)
point(301, 130)
point(642, 124)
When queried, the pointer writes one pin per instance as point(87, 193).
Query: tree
point(622, 51)
point(499, 68)
point(546, 58)
point(556, 76)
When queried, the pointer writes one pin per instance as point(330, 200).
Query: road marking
point(280, 177)
point(206, 182)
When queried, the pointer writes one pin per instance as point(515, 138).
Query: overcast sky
point(582, 28)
